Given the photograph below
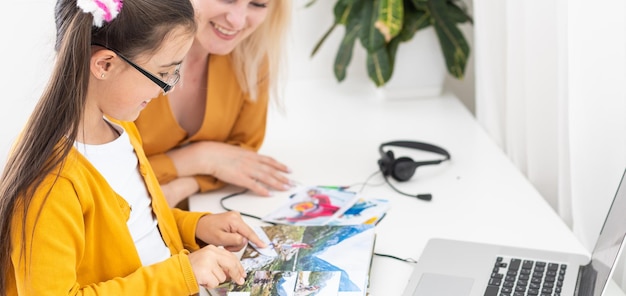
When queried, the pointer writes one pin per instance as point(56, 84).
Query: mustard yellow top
point(81, 245)
point(230, 117)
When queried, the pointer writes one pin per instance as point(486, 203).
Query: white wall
point(27, 30)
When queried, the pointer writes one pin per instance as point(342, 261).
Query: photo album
point(306, 260)
point(321, 243)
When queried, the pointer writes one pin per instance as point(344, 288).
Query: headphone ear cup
point(403, 168)
point(385, 163)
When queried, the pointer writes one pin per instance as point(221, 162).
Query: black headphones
point(403, 168)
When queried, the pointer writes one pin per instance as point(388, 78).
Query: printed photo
point(314, 205)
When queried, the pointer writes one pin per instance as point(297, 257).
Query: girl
point(215, 122)
point(81, 211)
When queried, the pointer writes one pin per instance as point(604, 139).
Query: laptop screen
point(608, 245)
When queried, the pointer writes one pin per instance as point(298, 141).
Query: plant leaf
point(378, 66)
point(310, 3)
point(371, 39)
point(420, 4)
point(453, 43)
point(319, 43)
point(343, 9)
point(414, 20)
point(458, 14)
point(390, 18)
point(344, 54)
point(392, 49)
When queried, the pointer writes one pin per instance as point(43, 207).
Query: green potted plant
point(381, 25)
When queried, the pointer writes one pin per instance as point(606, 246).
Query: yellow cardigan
point(230, 117)
point(81, 245)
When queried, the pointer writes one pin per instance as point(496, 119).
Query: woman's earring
point(102, 75)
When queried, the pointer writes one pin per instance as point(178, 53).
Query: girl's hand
point(228, 230)
point(214, 265)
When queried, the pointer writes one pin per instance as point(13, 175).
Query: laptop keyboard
point(522, 277)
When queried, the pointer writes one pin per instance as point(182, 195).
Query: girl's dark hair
point(52, 128)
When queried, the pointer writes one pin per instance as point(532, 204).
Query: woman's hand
point(228, 230)
point(233, 165)
point(213, 265)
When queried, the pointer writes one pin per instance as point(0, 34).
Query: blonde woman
point(207, 132)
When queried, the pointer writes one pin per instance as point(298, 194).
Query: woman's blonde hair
point(260, 56)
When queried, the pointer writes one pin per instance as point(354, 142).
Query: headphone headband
point(419, 146)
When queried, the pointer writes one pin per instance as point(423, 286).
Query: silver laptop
point(460, 268)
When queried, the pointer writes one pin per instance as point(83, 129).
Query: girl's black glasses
point(166, 85)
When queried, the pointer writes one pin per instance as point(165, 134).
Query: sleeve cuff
point(187, 225)
point(190, 278)
point(163, 167)
point(208, 183)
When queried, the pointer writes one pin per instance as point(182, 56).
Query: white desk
point(331, 138)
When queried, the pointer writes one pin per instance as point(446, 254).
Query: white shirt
point(118, 164)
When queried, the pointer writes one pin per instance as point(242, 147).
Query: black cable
point(233, 195)
point(421, 196)
point(409, 260)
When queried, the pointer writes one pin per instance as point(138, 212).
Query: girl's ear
point(100, 63)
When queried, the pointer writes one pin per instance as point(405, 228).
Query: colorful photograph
point(364, 211)
point(315, 205)
point(308, 260)
point(288, 283)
